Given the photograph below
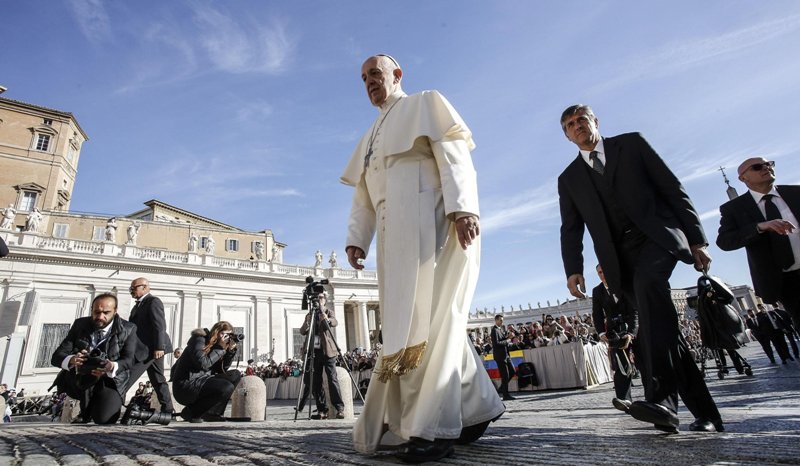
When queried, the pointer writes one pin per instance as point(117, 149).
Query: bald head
point(381, 75)
point(757, 173)
point(139, 287)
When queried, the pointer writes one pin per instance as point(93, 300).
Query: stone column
point(190, 317)
point(277, 325)
point(341, 329)
point(262, 336)
point(207, 315)
point(363, 326)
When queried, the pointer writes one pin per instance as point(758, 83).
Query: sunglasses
point(760, 166)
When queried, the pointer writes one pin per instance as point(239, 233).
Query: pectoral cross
point(367, 157)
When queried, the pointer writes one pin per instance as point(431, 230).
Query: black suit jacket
point(3, 248)
point(148, 316)
point(499, 343)
point(604, 306)
point(120, 346)
point(646, 190)
point(737, 229)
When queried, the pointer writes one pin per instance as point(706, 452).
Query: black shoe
point(419, 450)
point(319, 416)
point(663, 418)
point(785, 362)
point(213, 418)
point(188, 417)
point(508, 397)
point(704, 425)
point(339, 414)
point(80, 420)
point(472, 433)
point(621, 404)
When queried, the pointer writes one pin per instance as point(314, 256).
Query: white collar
point(598, 148)
point(391, 100)
point(757, 196)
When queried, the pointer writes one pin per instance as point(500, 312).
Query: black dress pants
point(155, 372)
point(667, 365)
point(102, 403)
point(790, 295)
point(322, 361)
point(506, 368)
point(215, 394)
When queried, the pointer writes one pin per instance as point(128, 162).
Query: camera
point(135, 414)
point(237, 337)
point(616, 329)
point(312, 291)
point(96, 360)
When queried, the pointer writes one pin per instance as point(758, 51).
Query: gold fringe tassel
point(401, 362)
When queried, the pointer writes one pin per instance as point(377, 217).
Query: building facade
point(203, 270)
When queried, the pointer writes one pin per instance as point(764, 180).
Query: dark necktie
point(97, 337)
point(781, 248)
point(597, 164)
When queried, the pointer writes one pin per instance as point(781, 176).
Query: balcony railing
point(31, 241)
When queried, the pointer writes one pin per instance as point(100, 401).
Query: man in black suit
point(3, 248)
point(772, 328)
point(500, 344)
point(99, 385)
point(642, 222)
point(760, 335)
point(764, 222)
point(325, 356)
point(148, 315)
point(788, 329)
point(617, 324)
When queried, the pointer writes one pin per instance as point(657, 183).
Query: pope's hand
point(468, 228)
point(354, 253)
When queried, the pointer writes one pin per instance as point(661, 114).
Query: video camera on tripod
point(312, 291)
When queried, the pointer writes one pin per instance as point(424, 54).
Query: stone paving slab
point(570, 427)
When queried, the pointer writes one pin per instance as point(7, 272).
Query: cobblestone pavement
point(576, 427)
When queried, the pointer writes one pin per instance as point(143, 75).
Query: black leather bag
point(721, 327)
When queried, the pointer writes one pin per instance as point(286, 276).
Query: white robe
point(419, 177)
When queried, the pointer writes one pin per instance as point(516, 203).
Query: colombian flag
point(491, 365)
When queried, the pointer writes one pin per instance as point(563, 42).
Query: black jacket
point(148, 316)
point(499, 343)
point(737, 229)
point(3, 248)
point(121, 347)
point(647, 192)
point(191, 371)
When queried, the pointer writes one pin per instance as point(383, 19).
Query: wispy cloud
point(680, 56)
point(235, 46)
point(92, 18)
point(534, 206)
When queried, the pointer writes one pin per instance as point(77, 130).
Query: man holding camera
point(617, 324)
point(148, 315)
point(96, 357)
point(325, 354)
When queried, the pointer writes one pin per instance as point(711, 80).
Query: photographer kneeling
point(96, 356)
point(200, 378)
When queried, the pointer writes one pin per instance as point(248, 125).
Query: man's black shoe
point(621, 404)
point(472, 433)
point(213, 418)
point(419, 450)
point(319, 416)
point(508, 397)
point(704, 425)
point(80, 420)
point(663, 418)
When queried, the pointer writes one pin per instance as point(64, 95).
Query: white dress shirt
point(601, 154)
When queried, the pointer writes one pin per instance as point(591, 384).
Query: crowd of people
point(548, 331)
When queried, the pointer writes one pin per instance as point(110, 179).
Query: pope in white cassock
point(416, 187)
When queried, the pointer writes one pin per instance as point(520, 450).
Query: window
point(240, 345)
point(99, 234)
point(27, 201)
point(60, 230)
point(232, 245)
point(47, 121)
point(51, 337)
point(43, 142)
point(298, 340)
point(203, 242)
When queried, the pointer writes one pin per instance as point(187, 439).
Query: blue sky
point(247, 111)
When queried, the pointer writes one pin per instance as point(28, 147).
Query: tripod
point(317, 319)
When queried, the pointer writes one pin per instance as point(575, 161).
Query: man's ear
point(398, 74)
